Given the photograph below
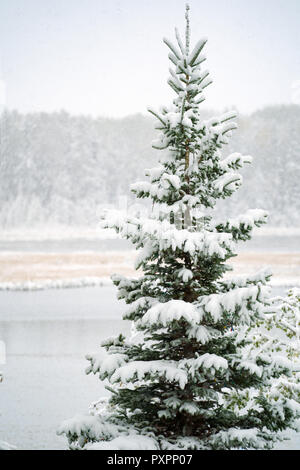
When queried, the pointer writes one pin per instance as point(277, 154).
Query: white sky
point(107, 57)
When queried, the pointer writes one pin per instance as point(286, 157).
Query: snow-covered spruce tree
point(199, 370)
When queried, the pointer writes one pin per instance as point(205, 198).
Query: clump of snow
point(205, 362)
point(185, 274)
point(235, 160)
point(105, 366)
point(238, 438)
point(101, 430)
point(216, 304)
point(131, 442)
point(174, 310)
point(229, 181)
point(165, 235)
point(249, 219)
point(141, 369)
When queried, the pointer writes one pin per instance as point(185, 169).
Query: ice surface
point(276, 239)
point(47, 335)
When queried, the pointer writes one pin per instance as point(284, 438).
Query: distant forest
point(58, 169)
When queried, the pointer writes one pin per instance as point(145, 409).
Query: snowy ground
point(23, 270)
point(27, 264)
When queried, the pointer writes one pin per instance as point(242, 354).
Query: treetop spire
point(187, 29)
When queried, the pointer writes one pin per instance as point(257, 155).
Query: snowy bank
point(101, 282)
point(56, 284)
point(97, 233)
point(56, 233)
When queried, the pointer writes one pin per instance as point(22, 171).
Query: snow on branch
point(163, 314)
point(242, 303)
point(235, 161)
point(261, 277)
point(241, 226)
point(165, 235)
point(141, 370)
point(105, 366)
point(196, 51)
point(230, 181)
point(172, 48)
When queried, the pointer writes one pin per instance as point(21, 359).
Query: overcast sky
point(107, 57)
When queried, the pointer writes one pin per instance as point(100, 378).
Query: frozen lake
point(47, 334)
point(259, 243)
point(66, 246)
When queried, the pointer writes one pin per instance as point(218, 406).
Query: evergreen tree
point(199, 371)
